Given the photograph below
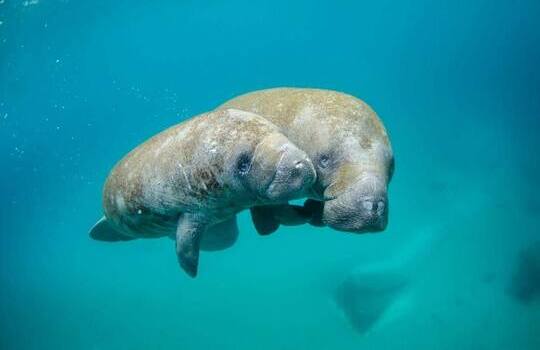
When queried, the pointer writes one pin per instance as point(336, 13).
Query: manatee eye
point(324, 161)
point(243, 164)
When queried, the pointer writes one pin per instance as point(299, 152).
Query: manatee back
point(308, 115)
point(144, 192)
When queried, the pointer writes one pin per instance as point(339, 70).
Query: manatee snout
point(362, 208)
point(294, 175)
point(279, 171)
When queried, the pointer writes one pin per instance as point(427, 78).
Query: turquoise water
point(456, 83)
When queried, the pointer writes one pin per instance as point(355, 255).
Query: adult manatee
point(349, 147)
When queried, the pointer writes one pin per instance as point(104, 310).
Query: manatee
point(189, 182)
point(349, 147)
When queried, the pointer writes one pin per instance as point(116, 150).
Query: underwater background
point(456, 84)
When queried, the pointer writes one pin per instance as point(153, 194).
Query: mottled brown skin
point(349, 147)
point(190, 180)
point(160, 182)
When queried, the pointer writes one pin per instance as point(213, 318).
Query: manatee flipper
point(103, 230)
point(291, 215)
point(314, 209)
point(268, 218)
point(188, 240)
point(263, 219)
point(220, 236)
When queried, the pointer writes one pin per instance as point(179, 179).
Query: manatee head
point(263, 164)
point(353, 171)
point(361, 206)
point(274, 170)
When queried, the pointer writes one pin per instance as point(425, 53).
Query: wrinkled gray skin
point(190, 181)
point(349, 147)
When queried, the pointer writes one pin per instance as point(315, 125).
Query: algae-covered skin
point(189, 182)
point(349, 147)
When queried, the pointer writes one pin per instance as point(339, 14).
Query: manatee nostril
point(368, 205)
point(374, 206)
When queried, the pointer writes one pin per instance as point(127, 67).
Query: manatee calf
point(349, 147)
point(189, 182)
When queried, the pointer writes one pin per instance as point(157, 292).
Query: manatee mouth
point(290, 181)
point(359, 215)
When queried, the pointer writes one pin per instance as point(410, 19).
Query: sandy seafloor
point(456, 84)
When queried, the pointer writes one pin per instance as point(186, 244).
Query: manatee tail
point(378, 292)
point(103, 230)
